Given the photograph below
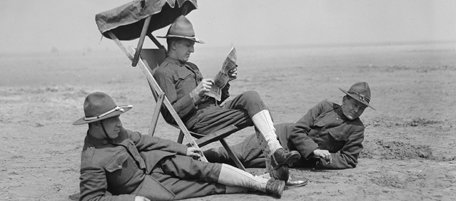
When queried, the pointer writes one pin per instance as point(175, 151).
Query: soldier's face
point(112, 126)
point(352, 109)
point(183, 49)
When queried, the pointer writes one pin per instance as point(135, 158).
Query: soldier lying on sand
point(328, 136)
point(118, 164)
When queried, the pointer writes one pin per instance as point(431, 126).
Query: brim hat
point(99, 106)
point(360, 92)
point(182, 28)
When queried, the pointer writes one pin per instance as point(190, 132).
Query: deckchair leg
point(141, 41)
point(180, 138)
point(231, 154)
point(156, 114)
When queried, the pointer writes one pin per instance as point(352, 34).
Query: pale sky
point(31, 25)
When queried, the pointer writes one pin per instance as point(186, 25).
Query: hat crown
point(181, 27)
point(361, 90)
point(98, 103)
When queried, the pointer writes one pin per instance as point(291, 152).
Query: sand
point(409, 140)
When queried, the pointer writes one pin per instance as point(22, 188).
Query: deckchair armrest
point(212, 137)
point(216, 136)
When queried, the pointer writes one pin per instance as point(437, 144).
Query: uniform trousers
point(238, 112)
point(251, 153)
point(187, 177)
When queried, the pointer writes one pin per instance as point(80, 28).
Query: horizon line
point(308, 45)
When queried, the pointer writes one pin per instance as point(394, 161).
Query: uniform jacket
point(177, 80)
point(326, 127)
point(120, 169)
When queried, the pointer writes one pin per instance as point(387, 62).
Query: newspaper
point(222, 76)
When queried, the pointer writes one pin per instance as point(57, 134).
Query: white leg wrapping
point(263, 122)
point(233, 177)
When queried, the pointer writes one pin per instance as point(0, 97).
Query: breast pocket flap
point(338, 134)
point(117, 163)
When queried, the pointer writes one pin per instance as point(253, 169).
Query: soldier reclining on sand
point(118, 164)
point(329, 136)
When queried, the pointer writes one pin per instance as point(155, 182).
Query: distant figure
point(328, 136)
point(119, 164)
point(185, 88)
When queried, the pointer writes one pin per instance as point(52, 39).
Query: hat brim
point(82, 120)
point(357, 98)
point(194, 39)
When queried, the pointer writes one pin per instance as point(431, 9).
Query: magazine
point(222, 76)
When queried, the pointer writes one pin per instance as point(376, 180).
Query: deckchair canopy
point(126, 21)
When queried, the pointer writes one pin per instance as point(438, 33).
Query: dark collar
point(106, 142)
point(341, 114)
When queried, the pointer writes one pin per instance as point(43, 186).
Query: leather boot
point(283, 157)
point(275, 187)
point(280, 172)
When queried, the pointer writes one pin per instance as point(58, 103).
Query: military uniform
point(179, 79)
point(323, 127)
point(135, 164)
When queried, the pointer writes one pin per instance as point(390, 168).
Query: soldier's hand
point(204, 86)
point(232, 74)
point(141, 198)
point(194, 152)
point(323, 154)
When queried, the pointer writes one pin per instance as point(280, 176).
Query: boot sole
point(296, 183)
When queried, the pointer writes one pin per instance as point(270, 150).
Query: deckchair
point(140, 19)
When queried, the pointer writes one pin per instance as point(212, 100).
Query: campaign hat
point(99, 106)
point(182, 28)
point(361, 92)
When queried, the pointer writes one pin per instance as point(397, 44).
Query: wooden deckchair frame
point(161, 100)
point(130, 52)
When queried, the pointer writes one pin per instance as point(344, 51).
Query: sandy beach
point(410, 140)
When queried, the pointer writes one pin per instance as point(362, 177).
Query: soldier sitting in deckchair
point(185, 88)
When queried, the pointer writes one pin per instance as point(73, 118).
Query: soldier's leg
point(254, 106)
point(248, 151)
point(216, 118)
point(186, 168)
point(187, 188)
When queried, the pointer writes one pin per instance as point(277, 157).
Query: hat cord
point(117, 108)
point(360, 96)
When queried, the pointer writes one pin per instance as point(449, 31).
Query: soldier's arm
point(347, 157)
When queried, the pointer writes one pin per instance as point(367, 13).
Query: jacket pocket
point(339, 133)
point(185, 80)
point(117, 162)
point(185, 75)
point(323, 121)
point(318, 129)
point(121, 171)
